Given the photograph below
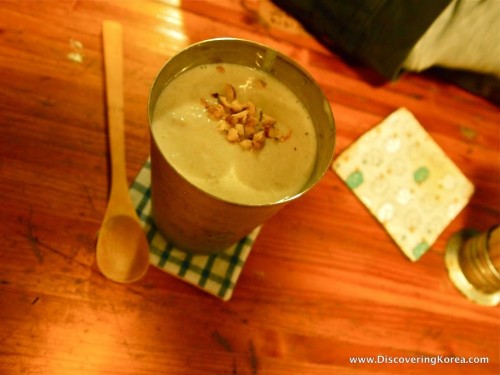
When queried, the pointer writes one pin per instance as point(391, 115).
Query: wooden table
point(324, 281)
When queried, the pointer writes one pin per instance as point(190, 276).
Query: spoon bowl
point(122, 254)
point(122, 251)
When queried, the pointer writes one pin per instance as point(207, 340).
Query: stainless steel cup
point(193, 219)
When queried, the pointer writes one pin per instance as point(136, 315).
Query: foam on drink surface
point(192, 144)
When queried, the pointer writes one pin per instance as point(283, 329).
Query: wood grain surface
point(324, 281)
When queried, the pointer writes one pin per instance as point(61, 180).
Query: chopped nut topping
point(239, 128)
point(243, 122)
point(249, 130)
point(246, 144)
point(232, 135)
point(216, 111)
point(260, 83)
point(251, 109)
point(268, 121)
point(230, 92)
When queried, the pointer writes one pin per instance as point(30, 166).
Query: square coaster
point(216, 274)
point(405, 180)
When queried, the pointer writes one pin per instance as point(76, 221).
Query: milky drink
point(199, 146)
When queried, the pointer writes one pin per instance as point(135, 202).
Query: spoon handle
point(113, 64)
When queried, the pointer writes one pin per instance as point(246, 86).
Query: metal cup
point(189, 217)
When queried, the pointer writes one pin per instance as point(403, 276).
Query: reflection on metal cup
point(188, 216)
point(473, 262)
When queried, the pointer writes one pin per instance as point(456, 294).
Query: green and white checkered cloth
point(216, 274)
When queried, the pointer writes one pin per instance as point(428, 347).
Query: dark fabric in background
point(381, 34)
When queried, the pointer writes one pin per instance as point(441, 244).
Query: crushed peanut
point(243, 123)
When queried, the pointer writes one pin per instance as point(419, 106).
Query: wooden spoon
point(122, 251)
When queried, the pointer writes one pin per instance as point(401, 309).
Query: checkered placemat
point(216, 274)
